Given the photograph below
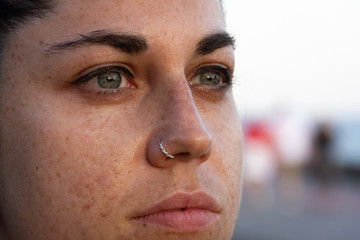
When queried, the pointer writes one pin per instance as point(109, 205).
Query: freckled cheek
point(75, 167)
point(80, 157)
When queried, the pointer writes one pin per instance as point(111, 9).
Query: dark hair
point(14, 13)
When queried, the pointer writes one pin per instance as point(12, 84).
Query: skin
point(75, 164)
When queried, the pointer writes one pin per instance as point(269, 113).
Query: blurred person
point(259, 163)
point(322, 167)
point(117, 120)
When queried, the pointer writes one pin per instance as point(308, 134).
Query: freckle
point(58, 174)
point(85, 207)
point(37, 168)
point(144, 225)
point(66, 138)
point(103, 215)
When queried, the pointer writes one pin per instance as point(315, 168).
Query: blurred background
point(297, 87)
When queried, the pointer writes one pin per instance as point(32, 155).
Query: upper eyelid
point(212, 67)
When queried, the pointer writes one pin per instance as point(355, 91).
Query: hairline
point(11, 25)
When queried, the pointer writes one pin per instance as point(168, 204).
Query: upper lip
point(183, 201)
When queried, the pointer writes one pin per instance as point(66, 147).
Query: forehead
point(149, 17)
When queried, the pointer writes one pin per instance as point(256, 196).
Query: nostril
point(183, 154)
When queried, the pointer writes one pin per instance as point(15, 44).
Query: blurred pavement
point(299, 208)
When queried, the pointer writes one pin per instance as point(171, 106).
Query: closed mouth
point(182, 212)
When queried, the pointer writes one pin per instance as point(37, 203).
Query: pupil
point(210, 78)
point(109, 80)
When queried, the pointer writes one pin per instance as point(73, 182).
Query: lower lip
point(191, 219)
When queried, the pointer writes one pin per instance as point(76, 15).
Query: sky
point(296, 54)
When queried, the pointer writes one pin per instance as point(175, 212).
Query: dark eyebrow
point(128, 43)
point(213, 42)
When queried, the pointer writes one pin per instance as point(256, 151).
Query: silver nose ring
point(164, 151)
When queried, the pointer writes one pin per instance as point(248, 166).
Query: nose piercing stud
point(164, 151)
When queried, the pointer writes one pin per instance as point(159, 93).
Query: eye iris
point(210, 78)
point(109, 80)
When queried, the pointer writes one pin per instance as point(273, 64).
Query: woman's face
point(88, 92)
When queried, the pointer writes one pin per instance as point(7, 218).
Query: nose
point(181, 134)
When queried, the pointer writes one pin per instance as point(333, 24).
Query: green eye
point(213, 76)
point(109, 80)
point(210, 78)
